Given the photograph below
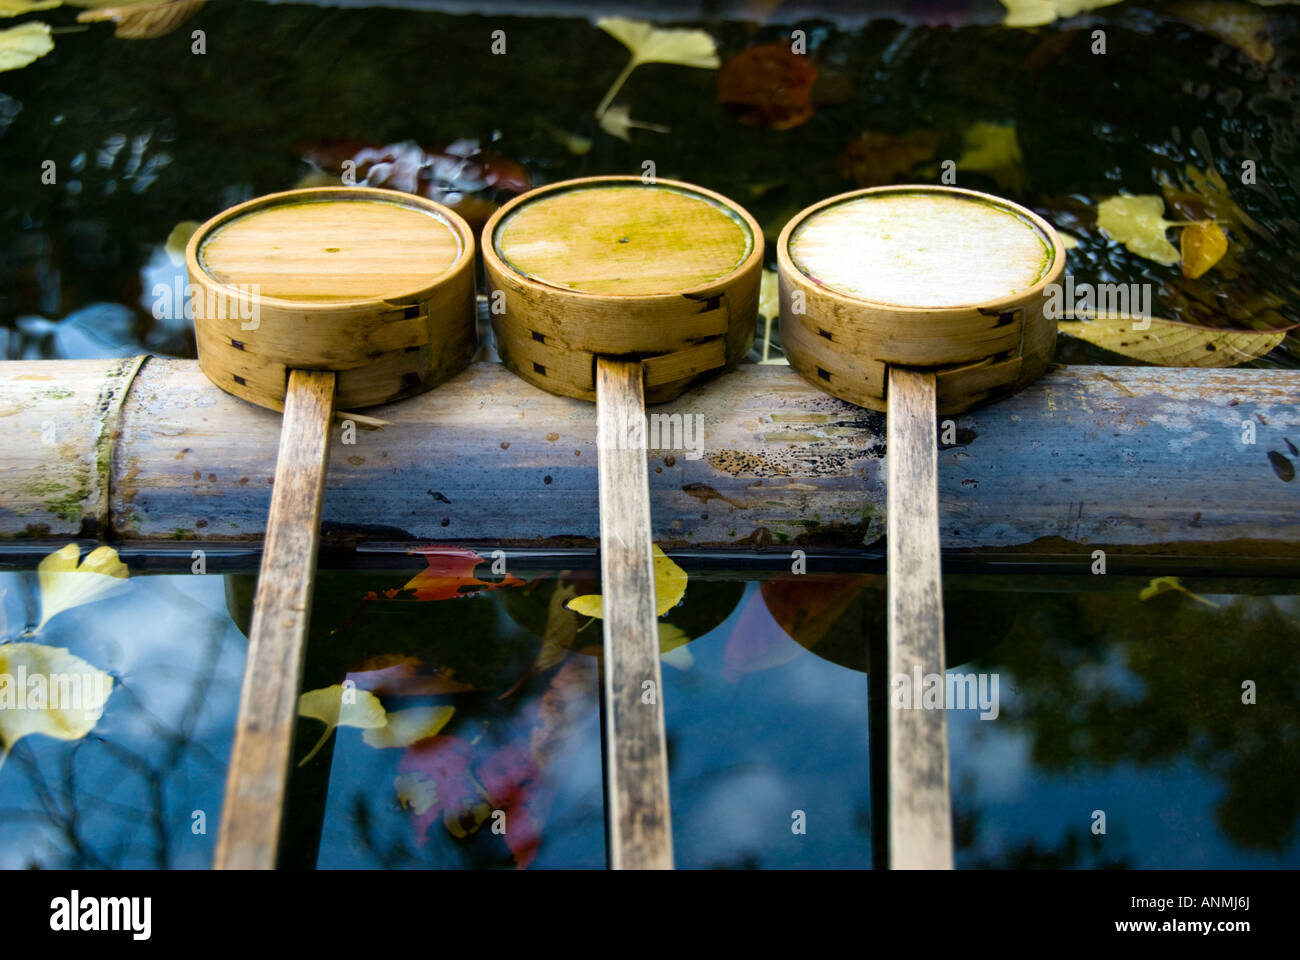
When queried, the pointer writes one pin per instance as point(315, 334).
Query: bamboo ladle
point(921, 301)
point(625, 292)
point(304, 301)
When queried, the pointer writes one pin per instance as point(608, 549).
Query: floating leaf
point(437, 771)
point(1236, 24)
point(768, 85)
point(62, 696)
point(1138, 223)
point(141, 20)
point(402, 676)
point(1203, 245)
point(1037, 13)
point(449, 573)
point(16, 8)
point(360, 708)
point(65, 585)
point(672, 646)
point(651, 44)
point(769, 295)
point(416, 792)
point(617, 121)
point(1161, 585)
point(670, 587)
point(874, 159)
point(24, 44)
point(178, 239)
point(1168, 343)
point(992, 148)
point(405, 727)
point(1205, 196)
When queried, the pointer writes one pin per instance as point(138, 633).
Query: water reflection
point(144, 788)
point(1108, 703)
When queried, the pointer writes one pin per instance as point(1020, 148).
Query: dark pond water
point(1106, 702)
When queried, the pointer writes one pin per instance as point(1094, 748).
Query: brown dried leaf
point(1168, 343)
point(144, 21)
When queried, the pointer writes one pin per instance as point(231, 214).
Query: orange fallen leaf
point(874, 159)
point(768, 85)
point(450, 574)
point(1203, 245)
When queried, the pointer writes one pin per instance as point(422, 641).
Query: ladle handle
point(636, 758)
point(920, 808)
point(268, 708)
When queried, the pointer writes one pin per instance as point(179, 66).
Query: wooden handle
point(636, 758)
point(920, 811)
point(277, 640)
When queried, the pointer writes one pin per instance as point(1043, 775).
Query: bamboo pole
point(258, 775)
point(920, 806)
point(636, 768)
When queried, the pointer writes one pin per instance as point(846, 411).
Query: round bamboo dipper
point(920, 301)
point(302, 299)
point(625, 293)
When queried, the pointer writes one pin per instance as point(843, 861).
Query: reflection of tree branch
point(65, 806)
point(1106, 679)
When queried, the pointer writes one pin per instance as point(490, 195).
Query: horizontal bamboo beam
point(1126, 459)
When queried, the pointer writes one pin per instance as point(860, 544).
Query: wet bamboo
point(636, 760)
point(258, 776)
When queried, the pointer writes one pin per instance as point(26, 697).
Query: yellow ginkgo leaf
point(992, 148)
point(672, 647)
point(338, 706)
point(1161, 585)
point(670, 587)
point(1037, 13)
point(651, 44)
point(671, 637)
point(1138, 223)
point(405, 727)
point(178, 239)
point(50, 691)
point(16, 8)
point(65, 585)
point(24, 44)
point(1203, 245)
point(617, 121)
point(769, 295)
point(1168, 343)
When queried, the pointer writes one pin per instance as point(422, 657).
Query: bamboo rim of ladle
point(1052, 240)
point(490, 252)
point(458, 225)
